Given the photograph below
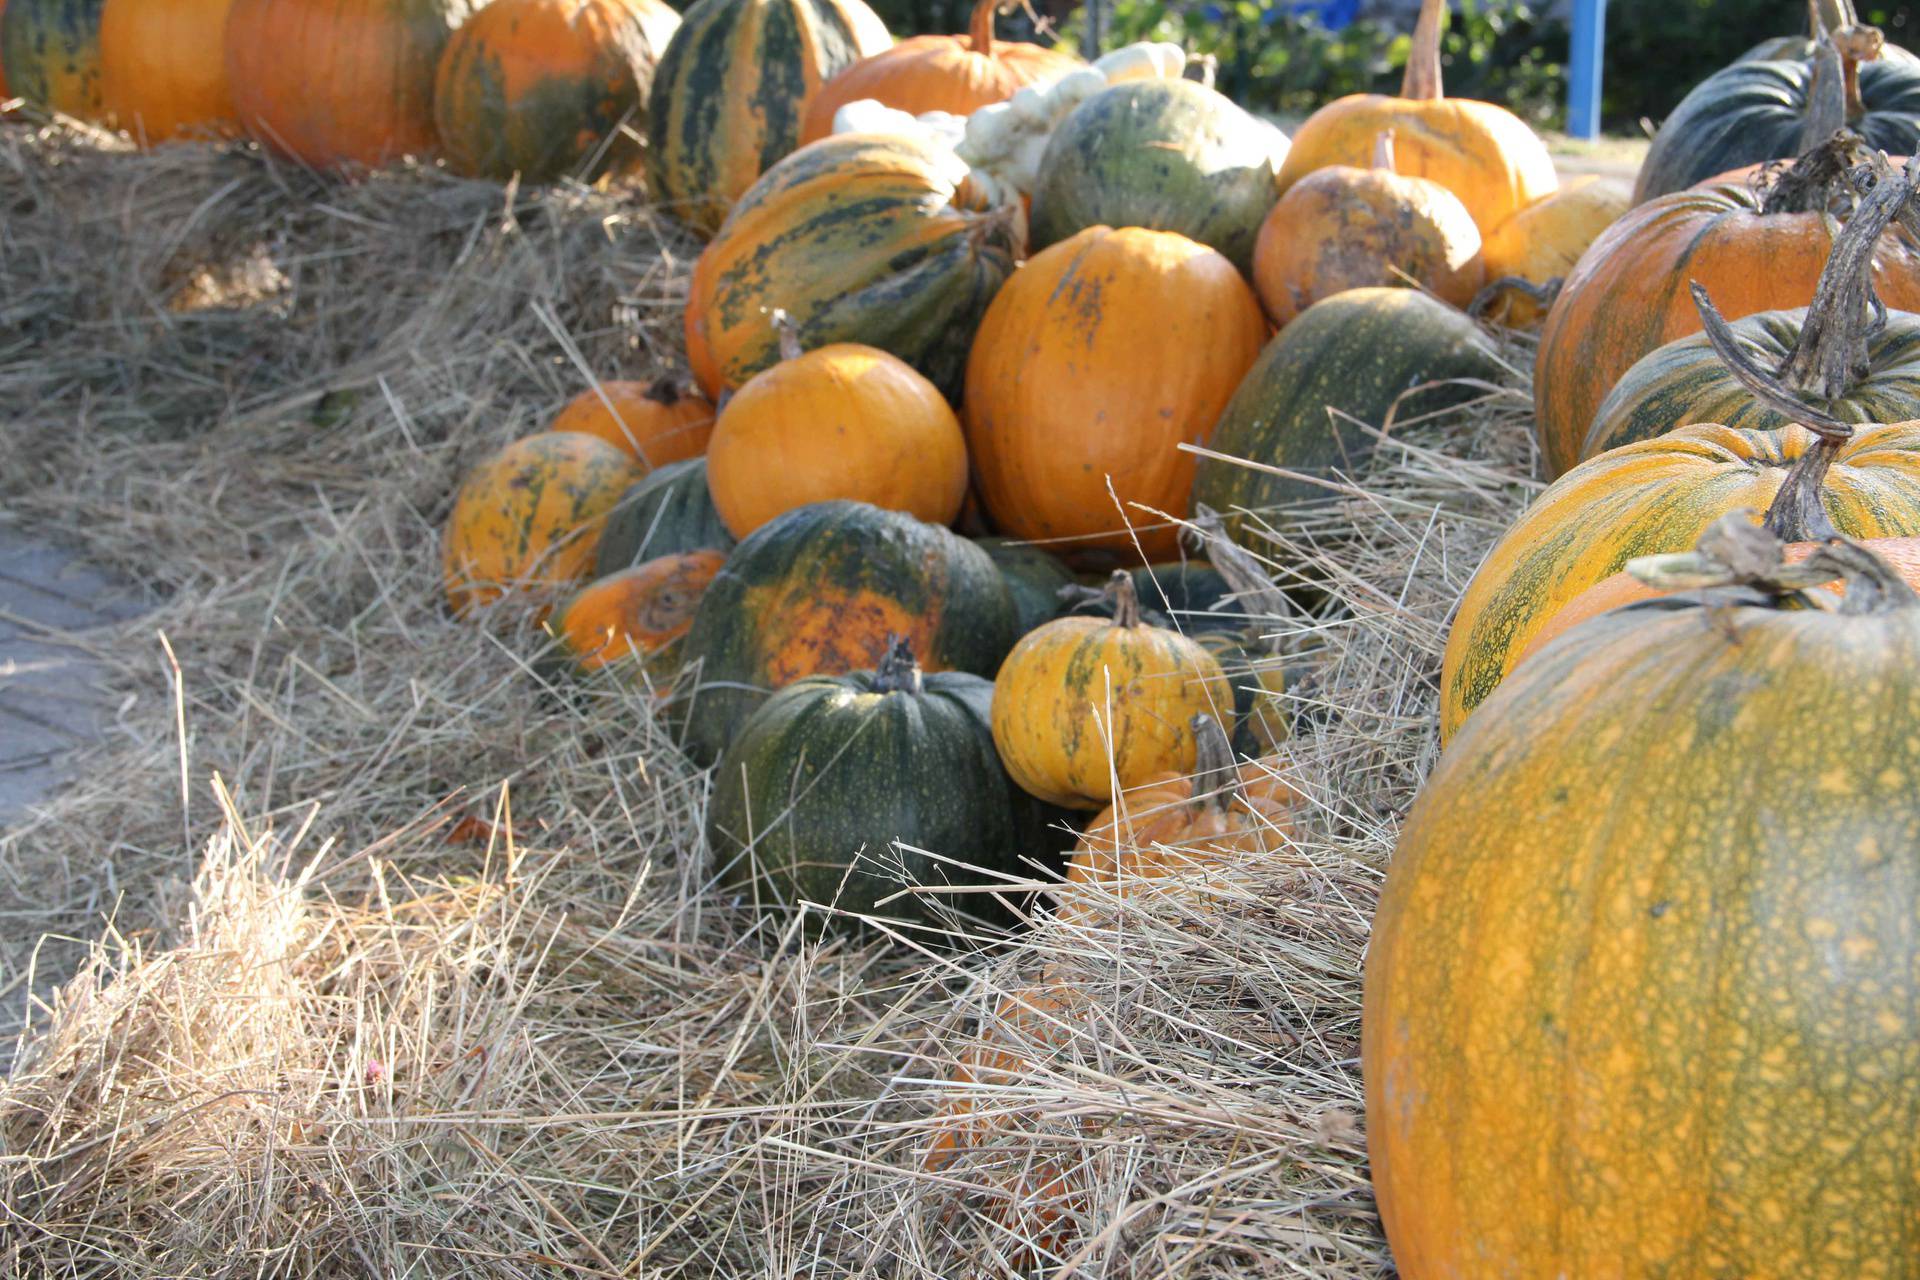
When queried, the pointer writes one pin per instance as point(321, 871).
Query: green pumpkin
point(729, 94)
point(50, 54)
point(1168, 155)
point(668, 512)
point(1033, 576)
point(848, 790)
point(822, 590)
point(1261, 721)
point(1359, 353)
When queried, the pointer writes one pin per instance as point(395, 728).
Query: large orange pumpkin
point(1541, 243)
point(163, 68)
point(955, 74)
point(653, 422)
point(1095, 361)
point(1482, 153)
point(638, 612)
point(339, 82)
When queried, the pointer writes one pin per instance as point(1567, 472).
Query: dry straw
point(433, 983)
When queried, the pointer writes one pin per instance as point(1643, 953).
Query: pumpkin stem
point(1872, 584)
point(980, 29)
point(1422, 80)
point(788, 333)
point(1827, 112)
point(1733, 551)
point(668, 389)
point(1543, 294)
point(1125, 597)
point(1829, 15)
point(1252, 588)
point(1813, 182)
point(1383, 150)
point(899, 670)
point(1216, 778)
point(1857, 44)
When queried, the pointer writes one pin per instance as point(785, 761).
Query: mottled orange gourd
point(163, 68)
point(654, 422)
point(637, 612)
point(1542, 242)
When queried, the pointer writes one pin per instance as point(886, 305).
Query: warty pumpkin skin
point(1542, 242)
point(1084, 703)
point(335, 83)
point(163, 68)
point(820, 591)
point(840, 421)
point(50, 54)
point(1645, 499)
point(732, 89)
point(1095, 361)
point(1168, 155)
point(668, 512)
point(539, 87)
point(528, 518)
point(955, 74)
point(639, 612)
point(865, 238)
point(1034, 577)
point(1482, 153)
point(1640, 995)
point(654, 423)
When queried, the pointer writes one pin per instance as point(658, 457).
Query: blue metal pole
point(1583, 68)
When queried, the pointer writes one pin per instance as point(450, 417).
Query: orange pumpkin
point(1541, 242)
point(1344, 228)
point(1482, 153)
point(841, 421)
point(339, 82)
point(638, 612)
point(955, 74)
point(528, 518)
point(653, 422)
point(1094, 362)
point(163, 68)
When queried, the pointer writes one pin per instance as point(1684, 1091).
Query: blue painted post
point(1583, 69)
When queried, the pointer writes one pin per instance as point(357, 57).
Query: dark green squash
point(850, 790)
point(1168, 155)
point(1353, 356)
point(50, 54)
point(821, 590)
point(1033, 576)
point(669, 512)
point(1188, 596)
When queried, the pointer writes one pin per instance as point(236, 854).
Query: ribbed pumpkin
point(863, 238)
point(1096, 360)
point(540, 88)
point(669, 512)
point(855, 790)
point(1361, 352)
point(1343, 228)
point(1034, 577)
point(1169, 155)
point(50, 54)
point(339, 82)
point(1541, 243)
point(1640, 993)
point(840, 421)
point(639, 612)
point(1083, 704)
point(528, 518)
point(1651, 498)
point(163, 68)
point(820, 590)
point(654, 422)
point(1629, 292)
point(955, 74)
point(732, 89)
point(1482, 153)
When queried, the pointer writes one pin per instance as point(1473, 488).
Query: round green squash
point(1641, 997)
point(1353, 356)
point(50, 54)
point(732, 88)
point(851, 790)
point(1033, 576)
point(669, 512)
point(822, 590)
point(1168, 155)
point(1188, 596)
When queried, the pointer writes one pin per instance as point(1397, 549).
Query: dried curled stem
point(1543, 294)
point(1735, 552)
point(1216, 777)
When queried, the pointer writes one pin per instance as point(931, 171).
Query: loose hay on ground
point(433, 983)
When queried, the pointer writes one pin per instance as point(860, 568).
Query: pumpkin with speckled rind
point(1541, 242)
point(639, 612)
point(540, 88)
point(163, 69)
point(50, 54)
point(1169, 155)
point(1482, 153)
point(1034, 577)
point(1083, 704)
point(654, 423)
point(529, 517)
point(1099, 357)
point(337, 83)
point(819, 591)
point(1640, 999)
point(732, 89)
point(668, 512)
point(1362, 353)
point(862, 237)
point(1649, 498)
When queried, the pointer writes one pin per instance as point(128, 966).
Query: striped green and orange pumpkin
point(732, 90)
point(163, 68)
point(50, 54)
point(669, 512)
point(864, 238)
point(541, 87)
